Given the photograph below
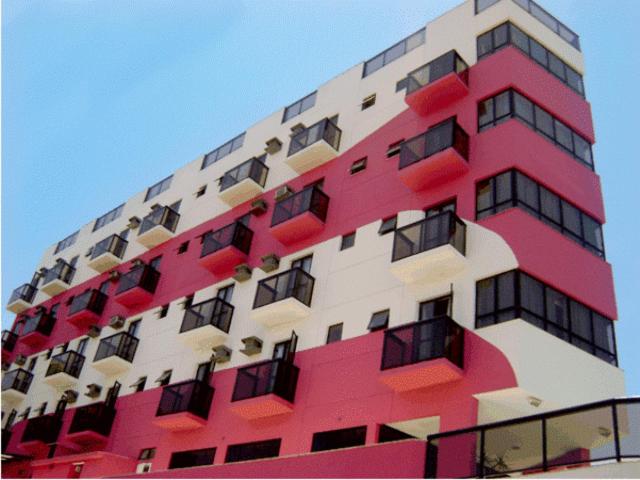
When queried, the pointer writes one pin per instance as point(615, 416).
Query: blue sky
point(102, 98)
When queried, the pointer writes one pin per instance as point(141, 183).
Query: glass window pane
point(500, 36)
point(557, 309)
point(506, 291)
point(485, 112)
point(550, 205)
point(556, 66)
point(394, 52)
point(503, 188)
point(538, 52)
point(519, 39)
point(582, 149)
point(485, 44)
point(580, 437)
point(523, 108)
point(592, 232)
point(571, 219)
point(485, 301)
point(629, 428)
point(373, 65)
point(564, 136)
point(308, 102)
point(532, 295)
point(603, 333)
point(503, 107)
point(580, 320)
point(415, 40)
point(512, 448)
point(527, 192)
point(544, 122)
point(484, 199)
point(574, 80)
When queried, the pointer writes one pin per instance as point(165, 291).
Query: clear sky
point(101, 99)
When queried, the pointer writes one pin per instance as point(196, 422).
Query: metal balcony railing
point(271, 376)
point(254, 168)
point(585, 435)
point(18, 379)
point(25, 292)
point(97, 417)
point(69, 362)
point(62, 271)
point(9, 340)
point(294, 283)
point(439, 337)
point(121, 345)
point(142, 276)
point(450, 62)
point(432, 232)
point(236, 234)
point(44, 428)
point(42, 322)
point(325, 130)
point(163, 216)
point(192, 396)
point(447, 134)
point(114, 244)
point(92, 300)
point(311, 199)
point(214, 312)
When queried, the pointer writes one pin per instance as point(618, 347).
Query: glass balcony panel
point(142, 276)
point(163, 216)
point(294, 283)
point(114, 244)
point(629, 429)
point(91, 300)
point(121, 345)
point(447, 134)
point(445, 228)
point(69, 362)
point(44, 428)
point(192, 396)
point(450, 62)
point(62, 271)
point(253, 168)
point(9, 340)
point(24, 292)
point(311, 199)
point(214, 312)
point(323, 130)
point(235, 234)
point(97, 417)
point(277, 377)
point(41, 322)
point(19, 380)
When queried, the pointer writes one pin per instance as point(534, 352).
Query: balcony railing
point(18, 380)
point(114, 244)
point(447, 134)
point(44, 428)
point(143, 276)
point(91, 300)
point(590, 434)
point(311, 199)
point(278, 377)
point(450, 62)
point(192, 396)
point(69, 362)
point(9, 340)
point(323, 130)
point(121, 345)
point(235, 234)
point(42, 322)
point(97, 417)
point(62, 271)
point(442, 229)
point(24, 292)
point(214, 312)
point(163, 216)
point(439, 337)
point(253, 168)
point(294, 283)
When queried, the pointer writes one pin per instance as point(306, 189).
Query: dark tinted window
point(192, 458)
point(253, 451)
point(343, 438)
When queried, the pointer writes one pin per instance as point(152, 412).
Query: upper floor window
point(192, 458)
point(304, 263)
point(108, 217)
point(514, 189)
point(394, 52)
point(508, 34)
point(158, 188)
point(253, 451)
point(511, 104)
point(222, 151)
point(448, 206)
point(67, 242)
point(298, 107)
point(515, 294)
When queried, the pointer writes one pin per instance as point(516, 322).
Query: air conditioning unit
point(137, 262)
point(94, 331)
point(282, 193)
point(89, 252)
point(258, 207)
point(20, 360)
point(114, 275)
point(93, 390)
point(71, 396)
point(221, 354)
point(270, 262)
point(116, 322)
point(143, 467)
point(273, 145)
point(243, 272)
point(252, 345)
point(297, 128)
point(134, 222)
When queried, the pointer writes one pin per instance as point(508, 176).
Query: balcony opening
point(87, 307)
point(58, 278)
point(244, 182)
point(137, 286)
point(314, 146)
point(253, 451)
point(226, 248)
point(22, 298)
point(91, 423)
point(64, 369)
point(342, 438)
point(184, 405)
point(192, 458)
point(206, 324)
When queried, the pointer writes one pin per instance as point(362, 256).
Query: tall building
point(408, 262)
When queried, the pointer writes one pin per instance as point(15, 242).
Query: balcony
point(36, 329)
point(206, 325)
point(15, 385)
point(243, 182)
point(184, 406)
point(137, 286)
point(265, 389)
point(314, 146)
point(21, 298)
point(434, 157)
point(283, 298)
point(40, 431)
point(437, 83)
point(422, 354)
point(86, 308)
point(58, 279)
point(158, 227)
point(223, 249)
point(430, 250)
point(64, 369)
point(115, 353)
point(107, 253)
point(91, 424)
point(558, 442)
point(299, 216)
point(9, 340)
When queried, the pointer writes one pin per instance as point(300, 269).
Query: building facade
point(407, 263)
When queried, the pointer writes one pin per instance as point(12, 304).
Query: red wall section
point(338, 387)
point(377, 192)
point(405, 459)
